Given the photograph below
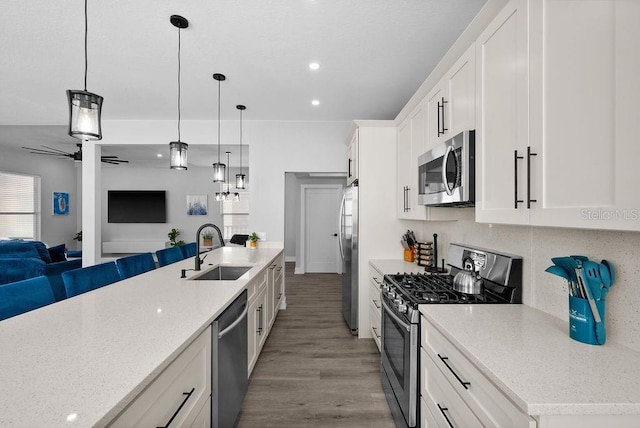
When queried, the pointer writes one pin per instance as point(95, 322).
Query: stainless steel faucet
point(198, 260)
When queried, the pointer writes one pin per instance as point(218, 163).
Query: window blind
point(19, 206)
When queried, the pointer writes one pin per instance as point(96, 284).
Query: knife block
point(582, 325)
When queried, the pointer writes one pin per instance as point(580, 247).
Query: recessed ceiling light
point(315, 102)
point(159, 155)
point(314, 66)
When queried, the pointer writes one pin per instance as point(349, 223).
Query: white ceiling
point(373, 55)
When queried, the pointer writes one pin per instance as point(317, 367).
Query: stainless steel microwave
point(446, 173)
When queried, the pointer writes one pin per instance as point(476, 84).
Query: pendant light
point(228, 196)
point(85, 107)
point(219, 168)
point(240, 178)
point(178, 149)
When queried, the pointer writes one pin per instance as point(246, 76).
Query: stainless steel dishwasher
point(229, 363)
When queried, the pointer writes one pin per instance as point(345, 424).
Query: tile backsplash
point(537, 245)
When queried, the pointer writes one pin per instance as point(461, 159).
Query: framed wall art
point(60, 203)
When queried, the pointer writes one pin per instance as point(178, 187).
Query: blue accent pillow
point(42, 250)
point(57, 253)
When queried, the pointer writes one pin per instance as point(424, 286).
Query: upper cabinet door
point(502, 117)
point(352, 168)
point(410, 145)
point(461, 88)
point(584, 113)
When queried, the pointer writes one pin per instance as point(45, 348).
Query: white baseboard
point(298, 271)
point(290, 259)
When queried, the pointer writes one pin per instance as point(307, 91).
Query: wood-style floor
point(312, 372)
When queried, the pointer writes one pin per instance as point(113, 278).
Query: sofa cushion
point(17, 269)
point(42, 250)
point(18, 249)
point(57, 253)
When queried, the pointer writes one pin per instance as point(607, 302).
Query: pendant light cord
point(240, 141)
point(179, 84)
point(86, 30)
point(219, 122)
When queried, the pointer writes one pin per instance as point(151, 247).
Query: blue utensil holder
point(582, 325)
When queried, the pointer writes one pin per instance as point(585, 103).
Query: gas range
point(402, 293)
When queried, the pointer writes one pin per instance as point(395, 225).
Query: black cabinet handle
point(463, 383)
point(259, 310)
point(515, 179)
point(443, 119)
point(443, 410)
point(406, 199)
point(529, 154)
point(188, 395)
point(350, 167)
point(375, 303)
point(375, 331)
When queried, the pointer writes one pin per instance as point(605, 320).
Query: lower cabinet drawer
point(426, 417)
point(178, 394)
point(488, 403)
point(444, 403)
point(375, 321)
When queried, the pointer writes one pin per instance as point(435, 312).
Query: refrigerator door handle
point(341, 227)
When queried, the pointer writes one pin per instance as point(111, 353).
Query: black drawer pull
point(444, 361)
point(375, 331)
point(188, 395)
point(443, 410)
point(375, 303)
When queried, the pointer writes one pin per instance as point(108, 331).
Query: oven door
point(400, 365)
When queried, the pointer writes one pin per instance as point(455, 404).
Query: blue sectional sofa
point(21, 260)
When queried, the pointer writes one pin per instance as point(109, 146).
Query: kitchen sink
point(223, 273)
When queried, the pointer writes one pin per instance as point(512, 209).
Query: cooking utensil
point(578, 257)
point(601, 335)
point(592, 271)
point(568, 264)
point(468, 280)
point(612, 274)
point(562, 273)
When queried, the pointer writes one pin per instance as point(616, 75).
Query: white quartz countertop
point(390, 266)
point(529, 355)
point(79, 362)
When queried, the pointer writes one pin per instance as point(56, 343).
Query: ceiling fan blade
point(109, 157)
point(56, 150)
point(44, 152)
point(114, 161)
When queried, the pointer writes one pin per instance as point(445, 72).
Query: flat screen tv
point(137, 206)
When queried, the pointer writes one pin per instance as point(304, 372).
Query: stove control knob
point(386, 288)
point(402, 308)
point(391, 295)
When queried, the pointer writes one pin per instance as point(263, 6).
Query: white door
point(321, 209)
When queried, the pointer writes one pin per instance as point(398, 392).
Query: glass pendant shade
point(219, 172)
point(240, 181)
point(85, 110)
point(220, 196)
point(178, 155)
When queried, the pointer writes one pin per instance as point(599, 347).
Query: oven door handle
point(444, 171)
point(388, 310)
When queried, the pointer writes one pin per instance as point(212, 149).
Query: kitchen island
point(81, 361)
point(523, 370)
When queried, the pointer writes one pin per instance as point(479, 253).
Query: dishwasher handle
point(235, 323)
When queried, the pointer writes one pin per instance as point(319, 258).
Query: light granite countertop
point(389, 266)
point(529, 355)
point(79, 362)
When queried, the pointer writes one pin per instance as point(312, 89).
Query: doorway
point(319, 209)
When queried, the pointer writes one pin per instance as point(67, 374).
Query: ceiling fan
point(77, 156)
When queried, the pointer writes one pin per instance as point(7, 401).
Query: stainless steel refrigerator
point(349, 253)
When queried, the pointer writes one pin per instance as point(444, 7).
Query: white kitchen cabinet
point(178, 393)
point(257, 320)
point(352, 167)
point(410, 145)
point(375, 306)
point(584, 121)
point(502, 121)
point(274, 287)
point(555, 100)
point(452, 381)
point(203, 419)
point(450, 105)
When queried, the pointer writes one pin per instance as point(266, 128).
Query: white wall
point(545, 291)
point(177, 184)
point(57, 175)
